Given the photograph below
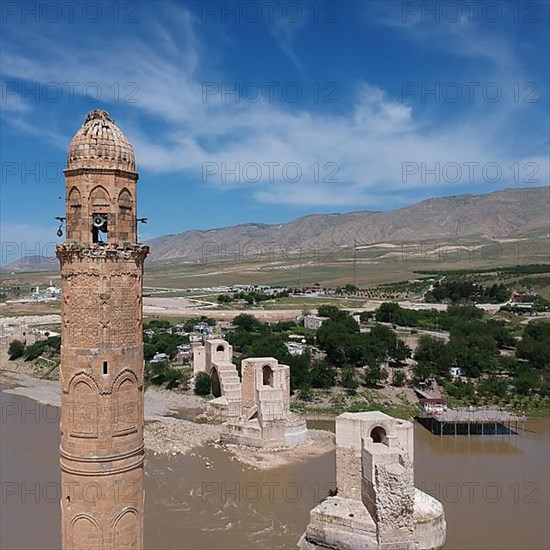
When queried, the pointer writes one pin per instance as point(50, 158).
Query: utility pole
point(354, 262)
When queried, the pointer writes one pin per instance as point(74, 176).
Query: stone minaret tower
point(102, 344)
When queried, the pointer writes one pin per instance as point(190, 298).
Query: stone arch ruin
point(375, 482)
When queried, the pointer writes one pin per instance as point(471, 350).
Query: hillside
point(511, 213)
point(507, 214)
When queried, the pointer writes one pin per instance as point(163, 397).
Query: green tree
point(388, 312)
point(323, 375)
point(374, 376)
point(333, 313)
point(349, 379)
point(300, 374)
point(400, 351)
point(526, 380)
point(202, 384)
point(365, 316)
point(535, 345)
point(16, 349)
point(160, 374)
point(248, 322)
point(338, 338)
point(51, 346)
point(350, 289)
point(493, 387)
point(432, 358)
point(149, 351)
point(398, 379)
point(156, 324)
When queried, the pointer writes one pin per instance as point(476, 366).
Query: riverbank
point(166, 433)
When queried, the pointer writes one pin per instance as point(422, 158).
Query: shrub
point(375, 375)
point(161, 373)
point(349, 379)
point(202, 384)
point(323, 375)
point(305, 394)
point(399, 378)
point(50, 346)
point(16, 349)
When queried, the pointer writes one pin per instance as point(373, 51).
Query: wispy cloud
point(355, 157)
point(285, 31)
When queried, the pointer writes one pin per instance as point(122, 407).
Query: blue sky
point(334, 109)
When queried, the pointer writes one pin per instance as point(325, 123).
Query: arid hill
point(512, 213)
point(507, 214)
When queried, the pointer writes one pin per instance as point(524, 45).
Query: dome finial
point(98, 114)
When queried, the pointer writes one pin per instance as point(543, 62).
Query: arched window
point(378, 435)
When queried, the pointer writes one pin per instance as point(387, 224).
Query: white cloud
point(369, 144)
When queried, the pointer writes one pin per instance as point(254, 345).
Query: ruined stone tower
point(102, 344)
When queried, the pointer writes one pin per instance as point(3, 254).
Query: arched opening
point(267, 375)
point(99, 206)
point(378, 435)
point(220, 348)
point(215, 386)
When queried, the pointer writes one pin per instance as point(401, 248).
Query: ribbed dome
point(100, 144)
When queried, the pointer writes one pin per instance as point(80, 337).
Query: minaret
point(102, 344)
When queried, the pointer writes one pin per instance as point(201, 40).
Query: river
point(495, 489)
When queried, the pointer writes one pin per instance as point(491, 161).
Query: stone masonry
point(214, 358)
point(377, 506)
point(265, 419)
point(101, 371)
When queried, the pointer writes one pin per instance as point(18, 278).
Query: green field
point(370, 267)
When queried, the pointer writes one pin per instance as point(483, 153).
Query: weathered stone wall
point(101, 372)
point(199, 358)
point(377, 506)
point(102, 393)
point(216, 350)
point(265, 419)
point(101, 191)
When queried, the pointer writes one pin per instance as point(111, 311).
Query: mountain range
point(508, 214)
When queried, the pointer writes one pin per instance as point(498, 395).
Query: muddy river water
point(495, 489)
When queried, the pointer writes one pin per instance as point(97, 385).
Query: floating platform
point(465, 421)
